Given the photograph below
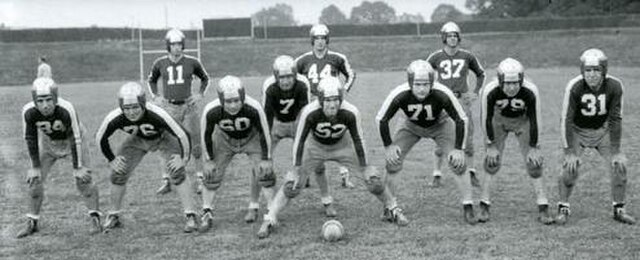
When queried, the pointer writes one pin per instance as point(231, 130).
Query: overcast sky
point(183, 14)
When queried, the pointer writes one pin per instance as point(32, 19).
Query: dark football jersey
point(526, 102)
point(238, 126)
point(151, 126)
point(284, 105)
point(329, 131)
point(62, 124)
point(453, 69)
point(584, 108)
point(423, 113)
point(177, 76)
point(332, 64)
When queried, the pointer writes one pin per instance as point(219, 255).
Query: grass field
point(153, 223)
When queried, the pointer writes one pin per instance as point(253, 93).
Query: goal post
point(142, 52)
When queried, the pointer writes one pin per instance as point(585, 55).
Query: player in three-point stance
point(329, 130)
point(592, 118)
point(511, 104)
point(53, 131)
point(177, 71)
point(320, 63)
point(423, 100)
point(235, 124)
point(149, 129)
point(283, 96)
point(453, 65)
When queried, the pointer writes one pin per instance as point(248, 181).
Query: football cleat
point(436, 182)
point(30, 227)
point(206, 221)
point(191, 224)
point(330, 211)
point(251, 216)
point(543, 215)
point(96, 226)
point(469, 216)
point(563, 215)
point(265, 229)
point(112, 222)
point(620, 215)
point(395, 215)
point(475, 182)
point(484, 214)
point(165, 188)
point(346, 183)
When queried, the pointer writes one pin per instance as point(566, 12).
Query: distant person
point(177, 71)
point(511, 104)
point(453, 65)
point(319, 63)
point(53, 131)
point(44, 70)
point(592, 118)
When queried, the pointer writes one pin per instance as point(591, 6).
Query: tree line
point(379, 12)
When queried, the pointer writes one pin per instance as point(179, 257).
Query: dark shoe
point(437, 182)
point(191, 224)
point(484, 214)
point(165, 188)
point(206, 221)
point(30, 227)
point(543, 215)
point(112, 222)
point(563, 215)
point(620, 215)
point(265, 229)
point(96, 226)
point(398, 217)
point(469, 216)
point(251, 216)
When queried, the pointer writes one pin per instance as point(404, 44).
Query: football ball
point(332, 230)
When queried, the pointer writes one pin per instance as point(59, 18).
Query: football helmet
point(330, 87)
point(230, 87)
point(284, 65)
point(44, 87)
point(174, 35)
point(319, 30)
point(131, 93)
point(594, 57)
point(510, 70)
point(450, 27)
point(420, 70)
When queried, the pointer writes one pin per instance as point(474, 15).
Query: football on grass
point(332, 230)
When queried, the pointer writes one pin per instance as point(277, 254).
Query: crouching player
point(149, 129)
point(511, 104)
point(235, 124)
point(329, 120)
point(423, 101)
point(592, 118)
point(52, 131)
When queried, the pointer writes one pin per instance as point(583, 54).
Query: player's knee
point(212, 183)
point(393, 168)
point(491, 168)
point(119, 178)
point(36, 189)
point(375, 185)
point(290, 191)
point(320, 169)
point(534, 171)
point(178, 176)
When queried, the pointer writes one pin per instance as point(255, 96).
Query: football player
point(592, 118)
point(329, 121)
point(149, 128)
point(320, 63)
point(453, 65)
point(53, 131)
point(235, 124)
point(511, 104)
point(283, 96)
point(177, 71)
point(423, 101)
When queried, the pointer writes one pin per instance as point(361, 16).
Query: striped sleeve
point(456, 112)
point(346, 69)
point(175, 128)
point(389, 108)
point(355, 129)
point(302, 132)
point(487, 111)
point(568, 110)
point(77, 132)
point(105, 131)
point(262, 127)
point(533, 113)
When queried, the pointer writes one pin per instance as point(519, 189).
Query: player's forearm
point(479, 84)
point(615, 128)
point(385, 135)
point(34, 154)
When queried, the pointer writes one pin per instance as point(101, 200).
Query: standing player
point(329, 121)
point(423, 101)
point(511, 104)
point(320, 63)
point(235, 124)
point(44, 70)
point(52, 131)
point(177, 71)
point(283, 96)
point(453, 65)
point(149, 129)
point(592, 118)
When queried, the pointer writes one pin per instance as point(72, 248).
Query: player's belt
point(176, 102)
